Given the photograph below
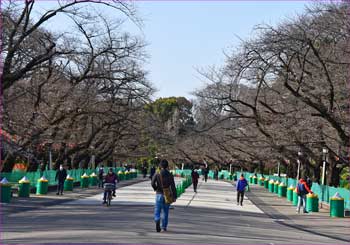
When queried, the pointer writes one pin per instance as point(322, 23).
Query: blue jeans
point(160, 204)
point(301, 202)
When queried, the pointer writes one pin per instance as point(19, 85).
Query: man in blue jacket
point(241, 185)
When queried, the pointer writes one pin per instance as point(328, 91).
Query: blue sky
point(185, 35)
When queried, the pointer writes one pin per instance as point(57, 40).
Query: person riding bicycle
point(111, 178)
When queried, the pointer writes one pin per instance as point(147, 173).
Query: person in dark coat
point(195, 177)
point(206, 172)
point(100, 176)
point(152, 172)
point(61, 176)
point(163, 179)
point(241, 185)
point(216, 174)
point(144, 169)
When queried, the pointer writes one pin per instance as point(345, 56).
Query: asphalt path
point(210, 216)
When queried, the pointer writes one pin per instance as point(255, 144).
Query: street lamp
point(92, 157)
point(299, 162)
point(50, 142)
point(325, 152)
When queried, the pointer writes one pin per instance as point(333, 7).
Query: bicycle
point(109, 188)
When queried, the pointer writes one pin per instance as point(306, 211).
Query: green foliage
point(164, 108)
point(345, 178)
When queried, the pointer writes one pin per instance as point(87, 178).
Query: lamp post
point(325, 152)
point(299, 163)
point(278, 168)
point(50, 142)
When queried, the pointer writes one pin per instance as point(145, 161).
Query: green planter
point(235, 177)
point(255, 180)
point(337, 207)
point(295, 198)
point(93, 180)
point(42, 187)
point(266, 183)
point(84, 182)
point(290, 194)
point(68, 185)
point(5, 193)
point(250, 179)
point(271, 186)
point(312, 203)
point(282, 191)
point(121, 176)
point(275, 188)
point(221, 176)
point(261, 181)
point(23, 189)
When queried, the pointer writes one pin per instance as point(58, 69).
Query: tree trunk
point(333, 174)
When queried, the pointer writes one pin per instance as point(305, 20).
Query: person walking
point(206, 172)
point(302, 189)
point(241, 185)
point(144, 169)
point(100, 177)
point(152, 172)
point(195, 177)
point(61, 176)
point(163, 179)
point(216, 174)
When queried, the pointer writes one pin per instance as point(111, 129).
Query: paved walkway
point(138, 194)
point(142, 194)
point(209, 217)
point(217, 195)
point(318, 223)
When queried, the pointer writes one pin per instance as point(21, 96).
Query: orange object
point(20, 167)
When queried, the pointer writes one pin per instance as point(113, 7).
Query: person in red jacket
point(302, 189)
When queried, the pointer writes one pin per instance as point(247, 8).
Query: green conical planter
point(42, 187)
point(282, 191)
point(255, 180)
point(93, 180)
point(250, 179)
point(271, 186)
point(235, 177)
point(23, 189)
point(261, 181)
point(266, 183)
point(295, 198)
point(275, 188)
point(121, 176)
point(84, 182)
point(312, 203)
point(337, 207)
point(5, 193)
point(290, 194)
point(68, 184)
